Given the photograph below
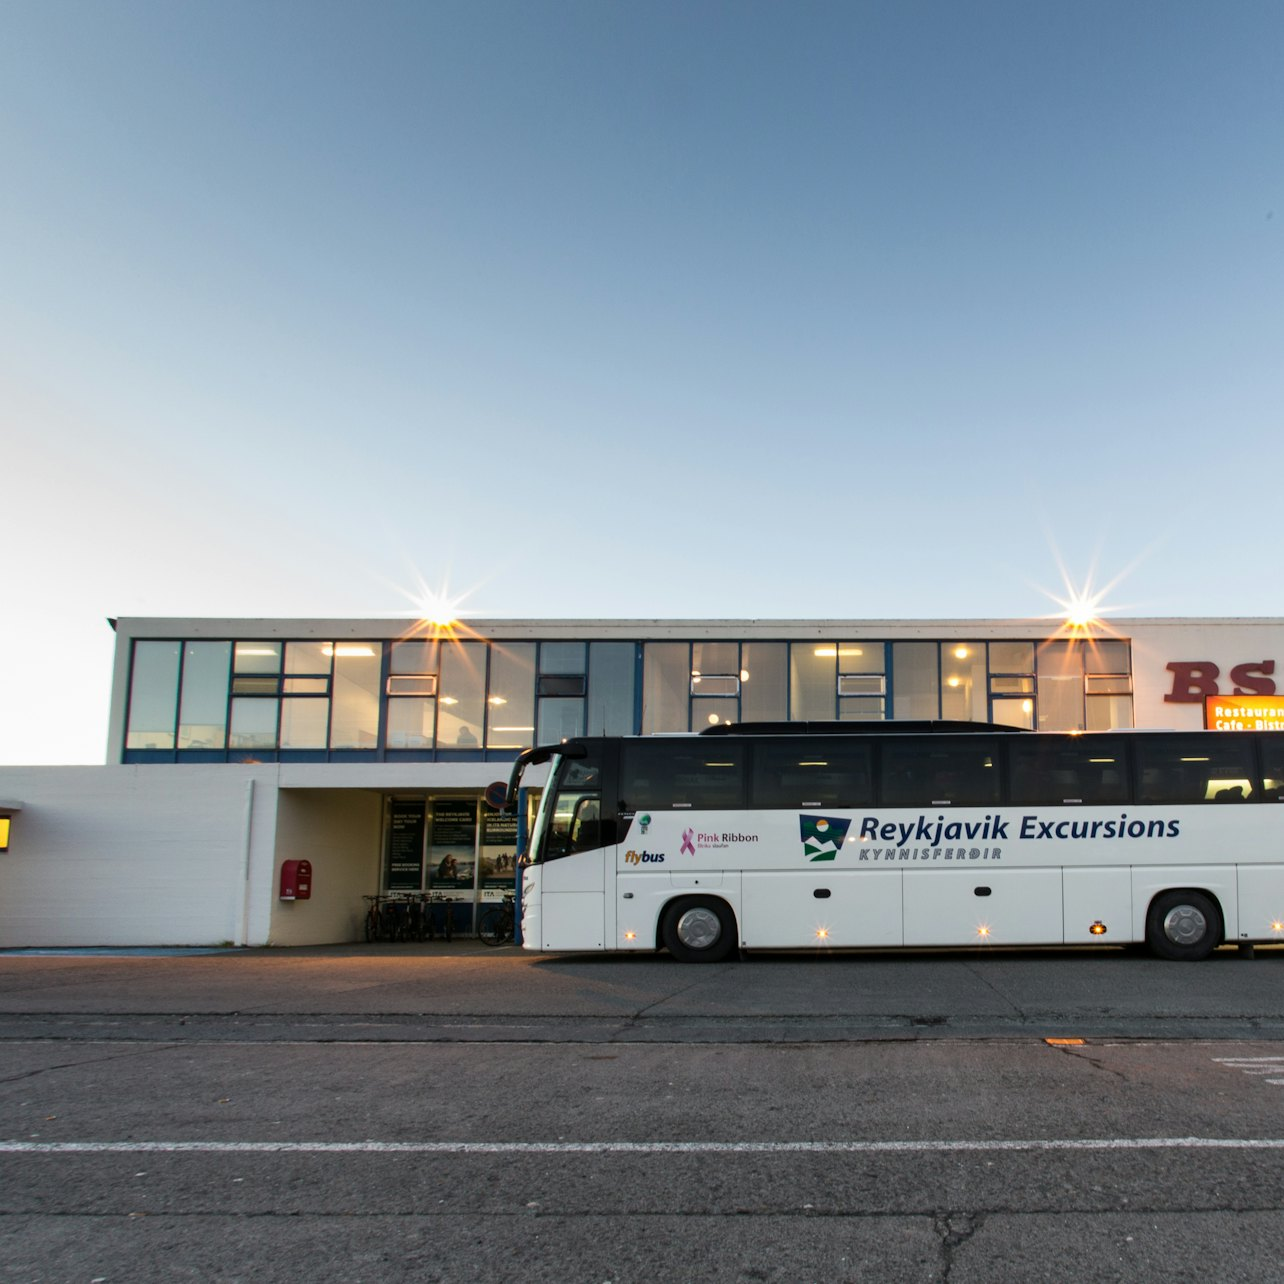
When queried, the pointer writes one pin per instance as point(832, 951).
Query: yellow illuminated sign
point(1244, 713)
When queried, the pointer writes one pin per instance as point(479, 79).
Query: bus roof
point(907, 727)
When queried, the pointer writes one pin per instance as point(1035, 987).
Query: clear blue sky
point(854, 309)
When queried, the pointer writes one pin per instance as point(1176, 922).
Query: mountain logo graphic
point(822, 836)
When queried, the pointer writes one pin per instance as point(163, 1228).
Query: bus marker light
point(983, 930)
point(630, 936)
point(1277, 926)
point(1098, 928)
point(822, 933)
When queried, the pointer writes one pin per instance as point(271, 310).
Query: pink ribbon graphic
point(687, 844)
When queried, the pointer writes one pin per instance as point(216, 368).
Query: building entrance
point(455, 849)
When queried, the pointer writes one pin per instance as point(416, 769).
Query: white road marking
point(1258, 1066)
point(629, 1147)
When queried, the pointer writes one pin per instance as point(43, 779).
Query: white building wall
point(1222, 643)
point(137, 856)
point(191, 855)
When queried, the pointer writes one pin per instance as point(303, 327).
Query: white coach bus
point(839, 835)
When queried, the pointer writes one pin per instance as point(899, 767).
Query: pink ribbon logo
point(687, 845)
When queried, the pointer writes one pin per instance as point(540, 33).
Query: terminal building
point(374, 750)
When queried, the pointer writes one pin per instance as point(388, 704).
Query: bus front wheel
point(1184, 925)
point(699, 929)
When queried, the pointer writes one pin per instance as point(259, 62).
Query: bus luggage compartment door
point(1261, 903)
point(1098, 905)
point(832, 907)
point(983, 906)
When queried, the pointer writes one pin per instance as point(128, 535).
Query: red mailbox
point(296, 880)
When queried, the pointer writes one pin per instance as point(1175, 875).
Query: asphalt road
point(453, 1113)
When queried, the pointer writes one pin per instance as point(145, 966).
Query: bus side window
point(586, 825)
point(660, 774)
point(1081, 769)
point(1272, 768)
point(815, 773)
point(924, 773)
point(1194, 769)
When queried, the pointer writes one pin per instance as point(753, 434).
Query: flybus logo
point(822, 836)
point(643, 858)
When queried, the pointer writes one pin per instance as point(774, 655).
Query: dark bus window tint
point(927, 773)
point(704, 775)
point(812, 773)
point(1273, 768)
point(1194, 769)
point(1076, 769)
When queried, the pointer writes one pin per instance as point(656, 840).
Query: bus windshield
point(570, 811)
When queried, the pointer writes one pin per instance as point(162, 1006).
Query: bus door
point(576, 847)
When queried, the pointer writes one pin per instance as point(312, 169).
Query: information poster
point(499, 849)
point(405, 863)
point(453, 854)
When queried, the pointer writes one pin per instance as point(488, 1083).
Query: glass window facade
point(916, 667)
point(764, 681)
point(254, 724)
point(471, 699)
point(862, 681)
point(813, 682)
point(612, 683)
point(202, 716)
point(354, 717)
point(461, 710)
point(964, 693)
point(153, 694)
point(666, 678)
point(510, 699)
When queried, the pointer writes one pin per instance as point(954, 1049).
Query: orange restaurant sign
point(1244, 713)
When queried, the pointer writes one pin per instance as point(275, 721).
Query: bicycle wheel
point(372, 925)
point(493, 928)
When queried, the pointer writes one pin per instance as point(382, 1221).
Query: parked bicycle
point(401, 917)
point(374, 918)
point(413, 916)
point(446, 924)
point(498, 924)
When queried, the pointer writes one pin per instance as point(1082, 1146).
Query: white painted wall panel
point(137, 855)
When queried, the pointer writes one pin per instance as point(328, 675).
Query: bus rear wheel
point(699, 929)
point(1183, 925)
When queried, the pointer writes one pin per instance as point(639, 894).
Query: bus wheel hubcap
point(1185, 925)
point(699, 928)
